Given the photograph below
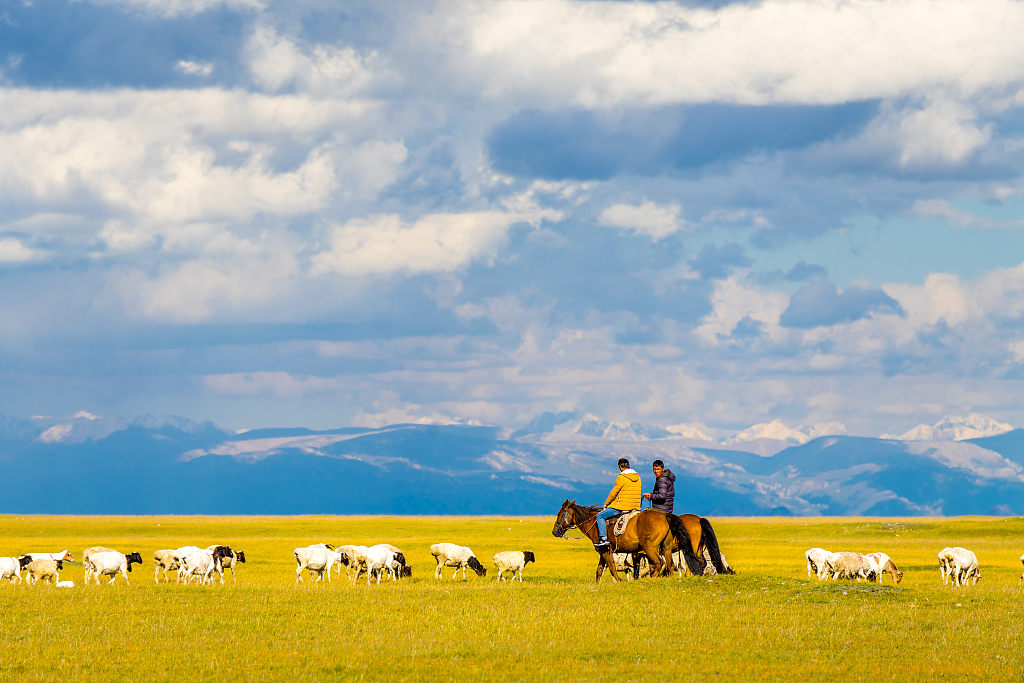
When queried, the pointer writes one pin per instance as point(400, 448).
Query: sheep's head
point(23, 561)
point(475, 565)
point(899, 576)
point(67, 556)
point(528, 557)
point(405, 571)
point(977, 576)
point(134, 557)
point(240, 556)
point(400, 557)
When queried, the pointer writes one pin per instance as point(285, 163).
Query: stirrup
point(602, 544)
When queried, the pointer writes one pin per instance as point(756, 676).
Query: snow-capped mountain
point(953, 428)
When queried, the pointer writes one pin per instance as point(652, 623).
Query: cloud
point(657, 221)
point(603, 54)
point(715, 262)
point(13, 251)
point(821, 303)
point(805, 271)
point(942, 209)
point(192, 68)
point(276, 62)
point(174, 8)
point(275, 383)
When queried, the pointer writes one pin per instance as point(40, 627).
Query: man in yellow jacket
point(625, 496)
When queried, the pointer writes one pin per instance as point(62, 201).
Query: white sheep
point(513, 561)
point(10, 567)
point(376, 559)
point(816, 559)
point(65, 584)
point(850, 566)
point(460, 557)
point(349, 559)
point(111, 563)
point(164, 561)
point(44, 569)
point(316, 558)
point(959, 564)
point(883, 565)
point(62, 556)
point(89, 552)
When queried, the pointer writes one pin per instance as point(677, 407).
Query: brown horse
point(655, 533)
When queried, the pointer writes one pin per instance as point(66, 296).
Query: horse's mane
point(584, 510)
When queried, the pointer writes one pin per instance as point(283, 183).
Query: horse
point(657, 534)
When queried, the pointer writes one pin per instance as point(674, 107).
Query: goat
point(460, 557)
point(513, 561)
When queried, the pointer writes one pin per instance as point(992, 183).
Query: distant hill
point(87, 465)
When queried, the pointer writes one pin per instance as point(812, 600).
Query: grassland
point(766, 623)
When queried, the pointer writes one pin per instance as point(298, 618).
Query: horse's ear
point(573, 501)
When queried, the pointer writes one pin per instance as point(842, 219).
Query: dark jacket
point(664, 491)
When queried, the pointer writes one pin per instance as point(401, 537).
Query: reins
point(579, 538)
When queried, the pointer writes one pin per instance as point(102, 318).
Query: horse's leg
point(653, 552)
point(600, 568)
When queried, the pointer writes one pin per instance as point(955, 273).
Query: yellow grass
point(766, 623)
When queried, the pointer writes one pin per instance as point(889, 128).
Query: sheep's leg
point(298, 573)
point(520, 572)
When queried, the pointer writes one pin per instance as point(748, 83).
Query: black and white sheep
point(460, 557)
point(89, 552)
point(10, 567)
point(513, 561)
point(226, 560)
point(111, 563)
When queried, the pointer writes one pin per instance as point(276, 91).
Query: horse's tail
point(711, 543)
point(678, 529)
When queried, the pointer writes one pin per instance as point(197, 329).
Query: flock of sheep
point(958, 566)
point(384, 558)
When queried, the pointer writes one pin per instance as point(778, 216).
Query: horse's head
point(565, 519)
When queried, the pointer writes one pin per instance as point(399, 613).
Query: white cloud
point(194, 68)
point(657, 221)
point(732, 301)
point(940, 208)
point(13, 251)
point(433, 243)
point(600, 54)
point(276, 62)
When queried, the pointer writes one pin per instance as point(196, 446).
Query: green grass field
point(766, 623)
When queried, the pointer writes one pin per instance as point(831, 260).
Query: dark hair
point(657, 463)
point(623, 462)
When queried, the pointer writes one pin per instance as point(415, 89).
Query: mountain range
point(85, 464)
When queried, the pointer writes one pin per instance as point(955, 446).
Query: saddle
point(622, 520)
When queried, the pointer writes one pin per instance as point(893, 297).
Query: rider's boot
point(602, 543)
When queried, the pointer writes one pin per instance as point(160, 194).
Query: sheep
point(816, 558)
point(851, 566)
point(460, 557)
point(65, 584)
point(228, 560)
point(89, 552)
point(959, 564)
point(883, 564)
point(400, 567)
point(376, 558)
point(10, 567)
point(111, 563)
point(44, 569)
point(513, 561)
point(317, 558)
point(164, 560)
point(200, 562)
point(348, 554)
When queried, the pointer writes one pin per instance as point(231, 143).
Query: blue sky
point(326, 214)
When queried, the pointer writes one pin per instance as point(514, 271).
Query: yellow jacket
point(625, 494)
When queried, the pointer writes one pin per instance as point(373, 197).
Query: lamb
point(228, 560)
point(317, 558)
point(959, 564)
point(851, 566)
point(164, 560)
point(111, 563)
point(513, 561)
point(10, 567)
point(89, 552)
point(883, 564)
point(816, 559)
point(460, 557)
point(44, 569)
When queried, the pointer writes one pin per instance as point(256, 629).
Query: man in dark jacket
point(664, 488)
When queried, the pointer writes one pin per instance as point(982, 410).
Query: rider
point(664, 488)
point(625, 496)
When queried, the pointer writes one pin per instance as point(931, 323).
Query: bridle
point(570, 523)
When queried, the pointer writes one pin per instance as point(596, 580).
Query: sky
point(324, 214)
